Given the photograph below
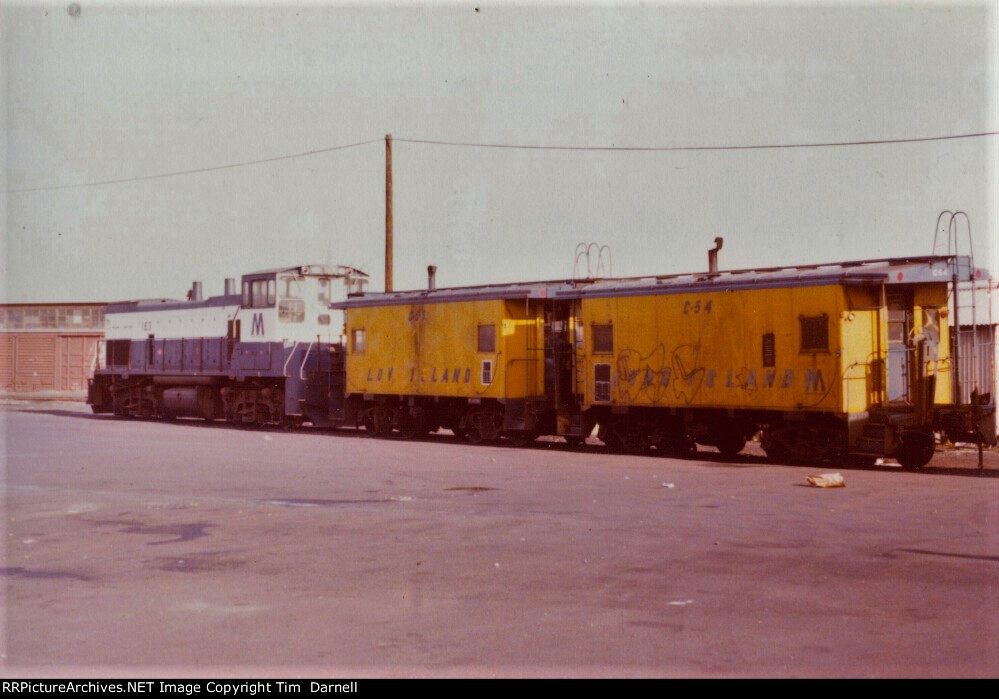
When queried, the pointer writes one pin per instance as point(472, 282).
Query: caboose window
point(815, 333)
point(487, 338)
point(769, 351)
point(357, 341)
point(246, 295)
point(487, 372)
point(603, 339)
point(602, 382)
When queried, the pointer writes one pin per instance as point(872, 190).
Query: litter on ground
point(827, 480)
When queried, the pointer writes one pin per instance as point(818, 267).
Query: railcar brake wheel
point(916, 450)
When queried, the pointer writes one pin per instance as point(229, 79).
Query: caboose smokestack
point(713, 256)
point(195, 293)
point(230, 286)
point(431, 277)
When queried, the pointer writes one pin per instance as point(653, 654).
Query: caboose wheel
point(410, 426)
point(731, 444)
point(678, 447)
point(521, 438)
point(916, 450)
point(484, 425)
point(631, 436)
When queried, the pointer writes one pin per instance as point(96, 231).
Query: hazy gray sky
point(127, 90)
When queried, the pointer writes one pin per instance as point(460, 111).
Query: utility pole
point(388, 212)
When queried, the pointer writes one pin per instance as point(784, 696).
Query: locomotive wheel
point(484, 426)
point(916, 450)
point(261, 415)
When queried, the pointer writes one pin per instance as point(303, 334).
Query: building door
point(77, 360)
point(7, 351)
point(34, 362)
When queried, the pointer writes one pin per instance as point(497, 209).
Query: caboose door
point(899, 345)
point(560, 353)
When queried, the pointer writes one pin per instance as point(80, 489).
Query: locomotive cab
point(292, 305)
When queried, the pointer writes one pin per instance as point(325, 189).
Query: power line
point(199, 170)
point(773, 146)
point(516, 146)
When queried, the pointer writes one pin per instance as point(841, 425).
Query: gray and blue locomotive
point(244, 356)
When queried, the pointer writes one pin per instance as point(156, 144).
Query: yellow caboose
point(468, 359)
point(825, 360)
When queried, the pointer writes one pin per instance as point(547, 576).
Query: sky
point(128, 91)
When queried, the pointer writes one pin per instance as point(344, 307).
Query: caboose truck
point(240, 356)
point(845, 360)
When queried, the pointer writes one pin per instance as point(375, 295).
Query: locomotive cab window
point(324, 296)
point(487, 338)
point(291, 307)
point(603, 339)
point(259, 293)
point(814, 333)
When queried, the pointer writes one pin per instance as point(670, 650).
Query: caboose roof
point(908, 270)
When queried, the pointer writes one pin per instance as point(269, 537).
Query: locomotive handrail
point(284, 369)
point(301, 368)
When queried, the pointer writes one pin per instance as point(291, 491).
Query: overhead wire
point(195, 171)
point(515, 146)
point(770, 146)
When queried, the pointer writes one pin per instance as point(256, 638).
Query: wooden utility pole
point(388, 212)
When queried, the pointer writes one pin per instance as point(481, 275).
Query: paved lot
point(187, 549)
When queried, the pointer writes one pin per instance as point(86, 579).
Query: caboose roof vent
point(713, 256)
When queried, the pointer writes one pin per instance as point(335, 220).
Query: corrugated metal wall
point(978, 364)
point(6, 362)
point(31, 362)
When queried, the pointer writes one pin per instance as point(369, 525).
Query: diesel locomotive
point(239, 357)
